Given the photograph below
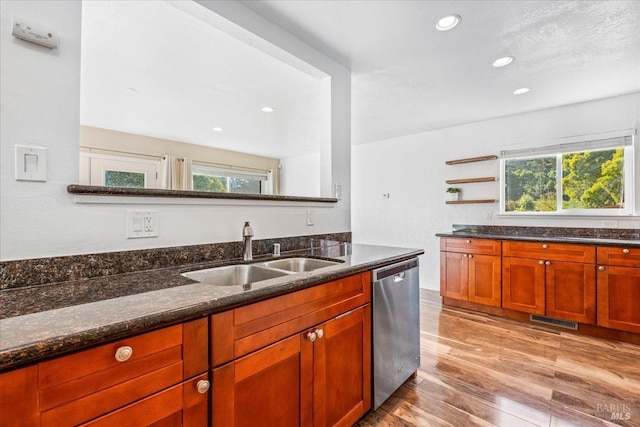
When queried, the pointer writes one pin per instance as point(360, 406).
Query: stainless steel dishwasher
point(396, 327)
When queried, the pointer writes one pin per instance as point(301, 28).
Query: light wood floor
point(483, 370)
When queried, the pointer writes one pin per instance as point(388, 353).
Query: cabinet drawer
point(90, 371)
point(619, 256)
point(180, 405)
point(550, 251)
point(237, 332)
point(88, 384)
point(471, 246)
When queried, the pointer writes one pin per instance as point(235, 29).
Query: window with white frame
point(580, 178)
point(118, 171)
point(228, 180)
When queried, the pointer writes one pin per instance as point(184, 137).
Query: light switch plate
point(142, 224)
point(31, 163)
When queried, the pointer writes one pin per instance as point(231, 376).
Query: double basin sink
point(246, 274)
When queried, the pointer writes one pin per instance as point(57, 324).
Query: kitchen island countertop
point(29, 335)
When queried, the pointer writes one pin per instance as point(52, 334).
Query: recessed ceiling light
point(521, 91)
point(217, 129)
point(267, 109)
point(448, 22)
point(501, 62)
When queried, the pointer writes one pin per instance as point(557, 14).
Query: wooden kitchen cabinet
point(556, 280)
point(470, 270)
point(299, 359)
point(96, 384)
point(320, 377)
point(342, 369)
point(523, 285)
point(619, 288)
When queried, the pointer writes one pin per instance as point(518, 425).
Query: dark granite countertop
point(587, 236)
point(87, 312)
point(540, 238)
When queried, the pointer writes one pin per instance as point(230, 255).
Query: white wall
point(412, 169)
point(40, 106)
point(301, 175)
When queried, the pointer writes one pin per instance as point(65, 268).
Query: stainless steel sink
point(234, 275)
point(299, 265)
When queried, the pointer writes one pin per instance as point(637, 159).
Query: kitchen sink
point(299, 265)
point(235, 275)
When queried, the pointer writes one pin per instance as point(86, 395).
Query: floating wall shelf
point(470, 160)
point(469, 180)
point(463, 202)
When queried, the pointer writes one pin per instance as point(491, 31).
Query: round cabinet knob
point(203, 386)
point(468, 241)
point(547, 263)
point(311, 336)
point(601, 268)
point(124, 353)
point(319, 333)
point(625, 251)
point(545, 246)
point(541, 262)
point(465, 255)
point(470, 256)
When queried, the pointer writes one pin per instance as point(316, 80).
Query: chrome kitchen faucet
point(247, 234)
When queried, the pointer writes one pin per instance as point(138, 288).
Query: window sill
point(563, 215)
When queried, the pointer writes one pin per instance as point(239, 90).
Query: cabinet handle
point(311, 336)
point(470, 256)
point(319, 333)
point(545, 246)
point(124, 353)
point(465, 255)
point(468, 241)
point(541, 262)
point(547, 263)
point(625, 251)
point(203, 386)
point(601, 268)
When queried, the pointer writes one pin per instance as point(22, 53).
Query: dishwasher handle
point(397, 270)
point(399, 277)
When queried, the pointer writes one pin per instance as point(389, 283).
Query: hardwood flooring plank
point(482, 370)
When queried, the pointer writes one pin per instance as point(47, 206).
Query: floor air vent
point(555, 322)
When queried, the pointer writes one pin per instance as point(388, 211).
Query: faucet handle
point(247, 231)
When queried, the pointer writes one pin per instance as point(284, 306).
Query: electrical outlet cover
point(141, 224)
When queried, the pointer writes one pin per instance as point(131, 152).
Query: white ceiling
point(189, 77)
point(408, 77)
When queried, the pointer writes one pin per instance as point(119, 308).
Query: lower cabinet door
point(320, 377)
point(180, 405)
point(454, 275)
point(265, 388)
point(619, 298)
point(523, 285)
point(485, 281)
point(571, 291)
point(342, 369)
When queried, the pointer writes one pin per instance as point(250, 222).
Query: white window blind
point(571, 147)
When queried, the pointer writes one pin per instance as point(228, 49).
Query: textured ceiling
point(408, 77)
